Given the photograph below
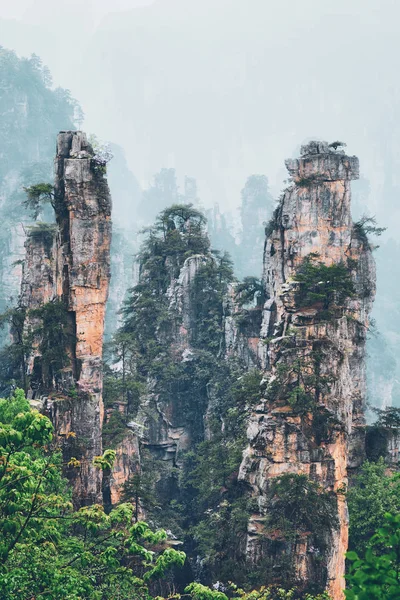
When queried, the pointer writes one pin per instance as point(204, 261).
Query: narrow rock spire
point(67, 271)
point(310, 419)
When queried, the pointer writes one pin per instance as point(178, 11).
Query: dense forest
point(228, 398)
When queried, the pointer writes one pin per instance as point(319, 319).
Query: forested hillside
point(184, 400)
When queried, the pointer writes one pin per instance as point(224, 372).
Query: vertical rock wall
point(83, 212)
point(158, 426)
point(73, 269)
point(241, 341)
point(37, 287)
point(313, 216)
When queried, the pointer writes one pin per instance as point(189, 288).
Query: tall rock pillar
point(83, 214)
point(75, 285)
point(310, 419)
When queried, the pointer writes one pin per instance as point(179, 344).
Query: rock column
point(313, 219)
point(74, 271)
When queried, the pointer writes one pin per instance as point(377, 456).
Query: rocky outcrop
point(180, 302)
point(165, 430)
point(383, 442)
point(37, 286)
point(311, 353)
point(67, 271)
point(126, 464)
point(159, 427)
point(241, 331)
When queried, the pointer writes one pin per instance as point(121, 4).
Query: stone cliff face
point(311, 348)
point(159, 427)
point(241, 341)
point(83, 212)
point(181, 305)
point(67, 271)
point(311, 354)
point(126, 464)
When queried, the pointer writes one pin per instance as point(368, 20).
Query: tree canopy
point(47, 549)
point(329, 285)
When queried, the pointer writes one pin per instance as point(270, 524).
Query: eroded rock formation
point(126, 464)
point(310, 418)
point(64, 292)
point(313, 352)
point(159, 427)
point(241, 340)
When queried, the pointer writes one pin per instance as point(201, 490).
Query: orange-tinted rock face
point(38, 278)
point(73, 268)
point(313, 217)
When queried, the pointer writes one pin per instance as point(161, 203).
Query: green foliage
point(142, 351)
point(214, 506)
point(299, 506)
point(47, 549)
point(379, 433)
point(13, 355)
point(123, 384)
point(367, 226)
point(177, 234)
point(139, 489)
point(300, 382)
point(207, 297)
point(141, 346)
point(335, 145)
point(55, 338)
point(106, 461)
point(10, 408)
point(278, 593)
point(250, 291)
point(329, 286)
point(373, 494)
point(114, 429)
point(265, 593)
point(49, 330)
point(201, 592)
point(198, 591)
point(376, 574)
point(38, 194)
point(388, 418)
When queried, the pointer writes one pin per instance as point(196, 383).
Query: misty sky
point(221, 89)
